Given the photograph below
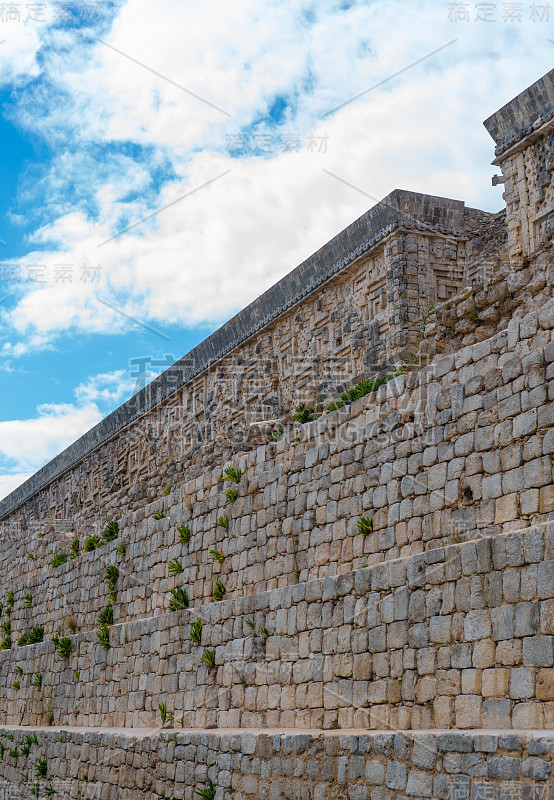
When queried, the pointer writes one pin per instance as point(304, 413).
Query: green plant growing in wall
point(37, 682)
point(159, 515)
point(74, 548)
point(207, 793)
point(231, 494)
point(64, 646)
point(217, 555)
point(208, 658)
point(218, 592)
point(179, 599)
point(10, 602)
point(174, 567)
point(120, 550)
point(34, 636)
point(233, 474)
point(14, 754)
point(35, 789)
point(7, 640)
point(31, 556)
point(111, 531)
point(303, 414)
point(28, 600)
point(16, 685)
point(103, 633)
point(184, 533)
point(92, 543)
point(58, 559)
point(165, 715)
point(167, 491)
point(196, 631)
point(264, 633)
point(360, 389)
point(18, 671)
point(48, 791)
point(112, 574)
point(105, 617)
point(223, 522)
point(365, 526)
point(41, 767)
point(250, 623)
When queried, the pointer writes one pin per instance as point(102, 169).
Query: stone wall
point(457, 637)
point(283, 766)
point(460, 448)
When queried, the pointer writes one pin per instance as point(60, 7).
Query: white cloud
point(28, 444)
point(11, 480)
point(212, 252)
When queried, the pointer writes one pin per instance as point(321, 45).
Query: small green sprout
point(231, 494)
point(103, 633)
point(158, 516)
point(28, 600)
point(41, 768)
point(105, 617)
point(196, 631)
point(217, 555)
point(175, 567)
point(64, 647)
point(37, 683)
point(92, 543)
point(303, 414)
point(218, 592)
point(223, 522)
point(58, 559)
point(184, 533)
point(112, 573)
point(208, 793)
point(111, 531)
point(365, 526)
point(208, 658)
point(232, 474)
point(179, 599)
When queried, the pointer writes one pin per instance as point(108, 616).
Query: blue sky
point(165, 164)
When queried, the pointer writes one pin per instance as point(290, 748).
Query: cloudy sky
point(164, 163)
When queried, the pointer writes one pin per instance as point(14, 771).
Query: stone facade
point(524, 134)
point(98, 765)
point(386, 569)
point(349, 310)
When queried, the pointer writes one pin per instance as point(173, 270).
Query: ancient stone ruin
point(314, 559)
